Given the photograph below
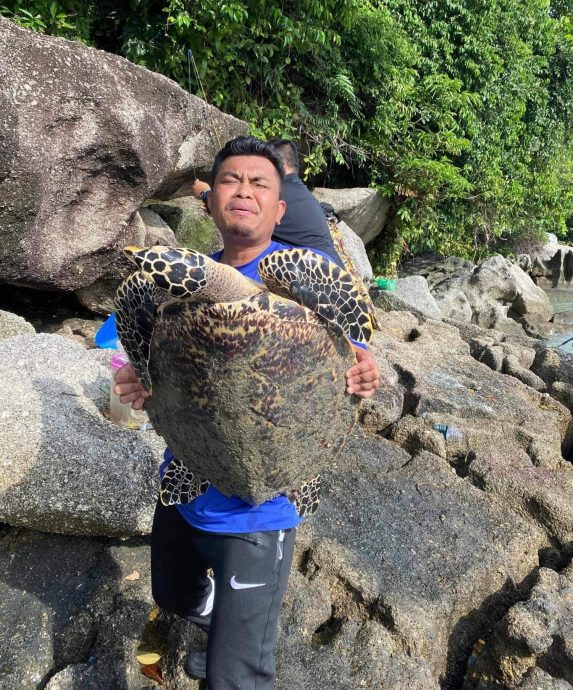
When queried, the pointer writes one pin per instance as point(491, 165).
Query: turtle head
point(179, 272)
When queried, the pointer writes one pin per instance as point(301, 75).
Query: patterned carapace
point(234, 313)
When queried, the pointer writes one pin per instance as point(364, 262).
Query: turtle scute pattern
point(136, 302)
point(350, 266)
point(181, 486)
point(273, 387)
point(307, 498)
point(188, 275)
point(320, 285)
point(178, 271)
point(165, 335)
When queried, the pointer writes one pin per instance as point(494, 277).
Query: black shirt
point(304, 223)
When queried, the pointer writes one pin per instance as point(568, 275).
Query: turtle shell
point(250, 394)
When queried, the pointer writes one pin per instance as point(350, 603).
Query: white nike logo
point(244, 585)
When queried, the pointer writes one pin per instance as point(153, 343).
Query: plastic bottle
point(450, 433)
point(120, 413)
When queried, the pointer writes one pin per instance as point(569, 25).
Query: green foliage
point(461, 111)
point(513, 59)
point(45, 16)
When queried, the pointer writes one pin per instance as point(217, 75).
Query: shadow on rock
point(70, 618)
point(479, 624)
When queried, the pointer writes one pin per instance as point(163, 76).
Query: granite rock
point(70, 617)
point(365, 210)
point(415, 292)
point(108, 134)
point(12, 324)
point(533, 640)
point(63, 466)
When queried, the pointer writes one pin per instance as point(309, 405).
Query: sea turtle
point(248, 386)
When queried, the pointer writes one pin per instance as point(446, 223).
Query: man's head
point(248, 146)
point(246, 185)
point(288, 153)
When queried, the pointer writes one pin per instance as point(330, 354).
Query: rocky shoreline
point(436, 560)
point(422, 546)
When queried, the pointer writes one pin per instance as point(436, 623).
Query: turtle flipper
point(320, 285)
point(185, 274)
point(136, 302)
point(307, 497)
point(311, 300)
point(304, 295)
point(179, 485)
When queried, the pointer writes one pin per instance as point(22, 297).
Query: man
point(248, 547)
point(304, 222)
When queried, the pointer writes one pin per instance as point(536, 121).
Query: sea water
point(562, 301)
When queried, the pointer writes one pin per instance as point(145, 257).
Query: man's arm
point(198, 187)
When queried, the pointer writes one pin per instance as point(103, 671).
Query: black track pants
point(251, 575)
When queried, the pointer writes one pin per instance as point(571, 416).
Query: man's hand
point(128, 387)
point(363, 378)
point(198, 186)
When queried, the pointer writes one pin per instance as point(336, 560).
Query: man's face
point(245, 201)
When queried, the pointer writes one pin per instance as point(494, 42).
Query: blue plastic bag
point(106, 337)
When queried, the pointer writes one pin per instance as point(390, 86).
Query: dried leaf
point(132, 576)
point(152, 671)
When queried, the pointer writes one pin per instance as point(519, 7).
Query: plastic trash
point(120, 413)
point(450, 433)
point(106, 336)
point(386, 284)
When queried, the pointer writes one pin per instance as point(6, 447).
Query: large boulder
point(555, 368)
point(404, 555)
point(552, 265)
point(443, 384)
point(500, 295)
point(435, 267)
point(414, 291)
point(453, 304)
point(87, 137)
point(531, 361)
point(365, 210)
point(192, 226)
point(356, 250)
point(146, 228)
point(530, 299)
point(63, 466)
point(12, 324)
point(544, 494)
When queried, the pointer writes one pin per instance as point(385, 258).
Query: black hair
point(287, 150)
point(248, 146)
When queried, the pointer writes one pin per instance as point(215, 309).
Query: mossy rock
point(192, 226)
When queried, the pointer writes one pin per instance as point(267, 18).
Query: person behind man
point(304, 223)
point(248, 547)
